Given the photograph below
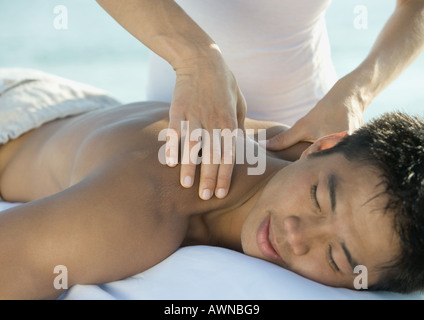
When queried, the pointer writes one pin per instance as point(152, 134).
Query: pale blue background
point(96, 50)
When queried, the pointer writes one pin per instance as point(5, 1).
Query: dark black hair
point(394, 144)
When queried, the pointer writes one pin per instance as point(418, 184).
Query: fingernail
point(221, 193)
point(206, 194)
point(187, 182)
point(171, 162)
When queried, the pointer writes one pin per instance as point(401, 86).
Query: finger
point(208, 175)
point(225, 170)
point(223, 180)
point(241, 110)
point(173, 141)
point(285, 139)
point(190, 156)
point(209, 168)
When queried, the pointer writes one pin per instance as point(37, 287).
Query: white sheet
point(210, 273)
point(29, 98)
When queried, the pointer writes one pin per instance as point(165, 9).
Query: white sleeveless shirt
point(278, 51)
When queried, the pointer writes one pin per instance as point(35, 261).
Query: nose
point(296, 235)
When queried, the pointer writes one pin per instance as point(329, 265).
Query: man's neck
point(225, 227)
point(221, 226)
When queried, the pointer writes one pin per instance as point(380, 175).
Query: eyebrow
point(332, 185)
point(352, 262)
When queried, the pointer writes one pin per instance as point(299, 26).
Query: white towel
point(29, 98)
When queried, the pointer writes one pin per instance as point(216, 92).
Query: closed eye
point(330, 259)
point(314, 196)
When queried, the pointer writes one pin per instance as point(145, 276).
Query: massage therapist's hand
point(340, 110)
point(399, 43)
point(207, 96)
point(206, 93)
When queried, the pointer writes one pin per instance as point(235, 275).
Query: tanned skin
point(98, 200)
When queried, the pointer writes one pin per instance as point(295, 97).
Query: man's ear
point(323, 143)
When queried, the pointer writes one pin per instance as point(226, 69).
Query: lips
point(264, 243)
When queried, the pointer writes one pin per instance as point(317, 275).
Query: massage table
point(213, 273)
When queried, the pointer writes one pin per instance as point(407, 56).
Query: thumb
point(284, 139)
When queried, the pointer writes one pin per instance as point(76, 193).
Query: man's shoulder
point(272, 128)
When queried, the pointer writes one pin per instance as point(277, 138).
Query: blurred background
point(96, 50)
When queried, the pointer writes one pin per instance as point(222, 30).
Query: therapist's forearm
point(400, 42)
point(163, 27)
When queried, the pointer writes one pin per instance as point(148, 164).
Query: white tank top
point(278, 51)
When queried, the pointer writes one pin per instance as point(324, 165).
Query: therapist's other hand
point(207, 97)
point(340, 110)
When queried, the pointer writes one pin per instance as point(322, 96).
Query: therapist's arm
point(163, 27)
point(400, 42)
point(206, 93)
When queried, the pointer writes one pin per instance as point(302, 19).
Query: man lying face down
point(98, 201)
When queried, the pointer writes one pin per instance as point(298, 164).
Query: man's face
point(320, 217)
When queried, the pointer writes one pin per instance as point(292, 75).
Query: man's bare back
point(102, 195)
point(69, 149)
